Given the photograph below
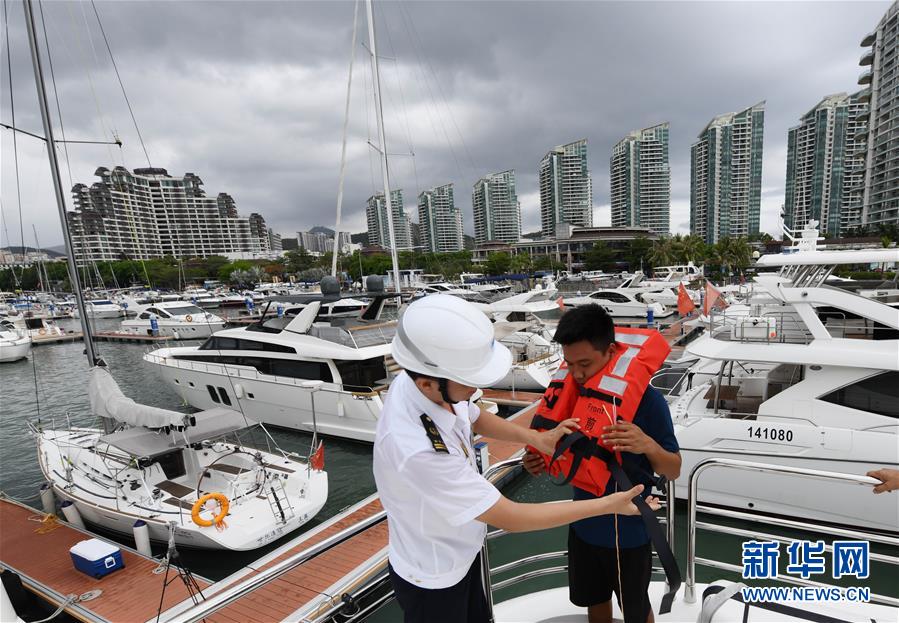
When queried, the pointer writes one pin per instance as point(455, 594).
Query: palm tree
point(661, 253)
point(694, 249)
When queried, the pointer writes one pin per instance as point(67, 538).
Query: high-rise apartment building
point(376, 215)
point(726, 175)
point(880, 203)
point(315, 241)
point(148, 213)
point(641, 180)
point(566, 189)
point(440, 220)
point(826, 165)
point(497, 212)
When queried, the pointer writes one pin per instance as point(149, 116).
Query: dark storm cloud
point(250, 95)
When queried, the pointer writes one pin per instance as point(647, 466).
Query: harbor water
point(51, 385)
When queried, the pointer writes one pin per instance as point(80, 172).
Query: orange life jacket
point(614, 392)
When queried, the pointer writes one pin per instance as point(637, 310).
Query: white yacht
point(785, 384)
point(15, 344)
point(620, 304)
point(535, 357)
point(158, 466)
point(275, 369)
point(539, 305)
point(101, 308)
point(176, 319)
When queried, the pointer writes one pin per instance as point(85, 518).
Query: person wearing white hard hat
point(438, 505)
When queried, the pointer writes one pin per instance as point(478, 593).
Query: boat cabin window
point(144, 316)
point(230, 343)
point(184, 310)
point(516, 317)
point(615, 297)
point(365, 374)
point(875, 394)
point(313, 370)
point(34, 323)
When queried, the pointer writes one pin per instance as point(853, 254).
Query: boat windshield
point(184, 310)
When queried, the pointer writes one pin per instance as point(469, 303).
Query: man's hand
point(533, 462)
point(889, 479)
point(546, 441)
point(627, 437)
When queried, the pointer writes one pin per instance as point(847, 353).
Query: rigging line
point(399, 84)
point(433, 98)
point(119, 77)
point(346, 121)
point(62, 128)
point(90, 79)
point(5, 222)
point(442, 95)
point(15, 144)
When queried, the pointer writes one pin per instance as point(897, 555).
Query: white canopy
point(107, 400)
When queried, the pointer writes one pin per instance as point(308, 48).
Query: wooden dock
point(124, 336)
point(516, 398)
point(104, 336)
point(38, 551)
point(56, 339)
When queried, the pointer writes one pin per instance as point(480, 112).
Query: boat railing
point(693, 507)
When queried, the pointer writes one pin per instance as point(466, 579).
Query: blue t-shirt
point(654, 418)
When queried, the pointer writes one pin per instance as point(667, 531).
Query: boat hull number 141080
point(770, 434)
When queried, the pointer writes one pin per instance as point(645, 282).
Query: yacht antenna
point(382, 140)
point(57, 182)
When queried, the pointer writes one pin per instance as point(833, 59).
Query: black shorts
point(463, 602)
point(593, 576)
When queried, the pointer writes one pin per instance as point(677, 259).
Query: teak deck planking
point(42, 556)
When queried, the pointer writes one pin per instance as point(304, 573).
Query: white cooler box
point(762, 328)
point(96, 558)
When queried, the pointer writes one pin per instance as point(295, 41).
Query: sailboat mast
point(382, 140)
point(57, 181)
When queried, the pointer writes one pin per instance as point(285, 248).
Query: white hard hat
point(443, 336)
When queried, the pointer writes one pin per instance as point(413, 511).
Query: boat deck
point(129, 594)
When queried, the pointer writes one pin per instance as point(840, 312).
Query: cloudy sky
point(250, 95)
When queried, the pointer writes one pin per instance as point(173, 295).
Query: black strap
point(776, 607)
point(595, 393)
point(583, 447)
point(656, 534)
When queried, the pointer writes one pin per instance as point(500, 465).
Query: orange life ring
point(219, 520)
point(42, 331)
point(189, 318)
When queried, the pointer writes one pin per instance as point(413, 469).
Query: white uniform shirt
point(431, 498)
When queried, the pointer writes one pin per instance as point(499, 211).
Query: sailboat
point(181, 474)
point(161, 466)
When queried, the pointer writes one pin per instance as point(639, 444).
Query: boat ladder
point(278, 501)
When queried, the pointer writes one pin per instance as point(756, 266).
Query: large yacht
point(784, 383)
point(176, 319)
point(275, 369)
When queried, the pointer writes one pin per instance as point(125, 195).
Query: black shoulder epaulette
point(433, 434)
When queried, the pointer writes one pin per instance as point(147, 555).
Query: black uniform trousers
point(464, 602)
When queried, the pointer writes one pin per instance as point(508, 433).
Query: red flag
point(560, 303)
point(712, 298)
point(317, 460)
point(685, 305)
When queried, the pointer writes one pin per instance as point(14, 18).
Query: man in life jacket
point(610, 553)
